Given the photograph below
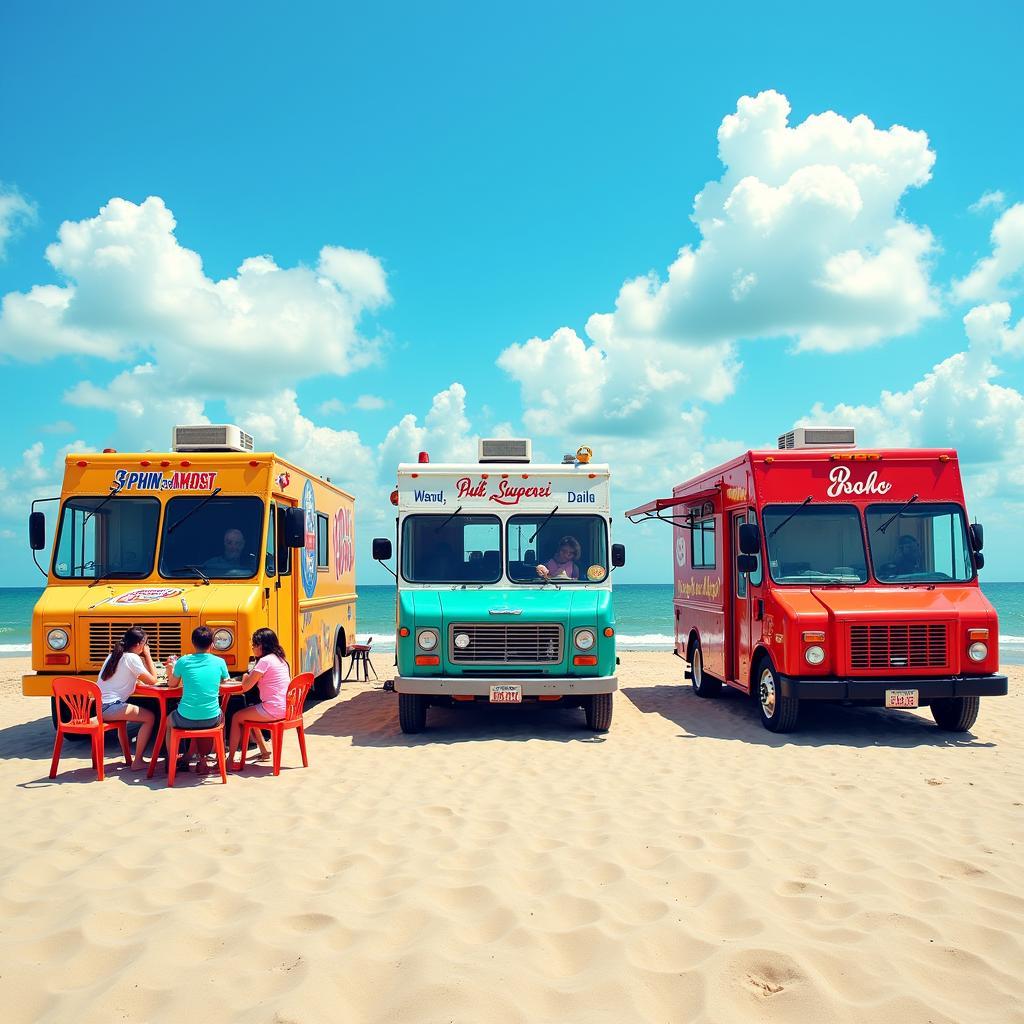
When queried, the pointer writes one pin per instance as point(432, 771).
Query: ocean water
point(643, 613)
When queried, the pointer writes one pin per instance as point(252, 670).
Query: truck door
point(741, 607)
point(283, 611)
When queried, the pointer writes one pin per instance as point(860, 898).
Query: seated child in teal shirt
point(200, 675)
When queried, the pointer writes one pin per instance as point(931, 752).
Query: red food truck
point(820, 571)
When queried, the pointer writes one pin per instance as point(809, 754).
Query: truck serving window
point(810, 544)
point(451, 549)
point(219, 538)
point(106, 538)
point(925, 543)
point(573, 549)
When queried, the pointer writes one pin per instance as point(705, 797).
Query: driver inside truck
point(908, 555)
point(234, 561)
point(563, 562)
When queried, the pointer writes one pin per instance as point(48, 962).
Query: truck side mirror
point(979, 560)
point(294, 528)
point(37, 531)
point(746, 563)
point(750, 539)
point(381, 549)
point(977, 537)
point(618, 555)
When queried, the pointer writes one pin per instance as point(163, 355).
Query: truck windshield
point(558, 548)
point(925, 543)
point(820, 544)
point(115, 541)
point(218, 538)
point(451, 549)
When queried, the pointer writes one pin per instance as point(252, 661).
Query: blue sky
point(487, 177)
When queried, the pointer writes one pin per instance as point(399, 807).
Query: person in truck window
point(235, 561)
point(564, 561)
point(908, 555)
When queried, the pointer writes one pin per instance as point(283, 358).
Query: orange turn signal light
point(608, 631)
point(585, 659)
point(58, 659)
point(427, 659)
point(813, 636)
point(977, 634)
point(404, 631)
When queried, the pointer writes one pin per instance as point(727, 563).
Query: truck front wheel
point(412, 712)
point(778, 713)
point(956, 714)
point(598, 709)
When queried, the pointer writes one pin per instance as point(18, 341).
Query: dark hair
point(266, 640)
point(202, 638)
point(570, 542)
point(133, 636)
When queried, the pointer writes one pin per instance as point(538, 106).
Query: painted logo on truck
point(344, 548)
point(133, 480)
point(842, 484)
point(308, 556)
point(146, 595)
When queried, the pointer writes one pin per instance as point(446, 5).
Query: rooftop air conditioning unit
point(506, 449)
point(211, 437)
point(818, 437)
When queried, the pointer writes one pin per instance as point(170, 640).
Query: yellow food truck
point(210, 533)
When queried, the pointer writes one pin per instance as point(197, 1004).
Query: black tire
point(703, 684)
point(956, 714)
point(598, 709)
point(327, 685)
point(412, 712)
point(778, 713)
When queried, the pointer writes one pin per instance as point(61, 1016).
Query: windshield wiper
point(439, 528)
point(803, 503)
point(195, 569)
point(542, 525)
point(113, 490)
point(103, 576)
point(195, 508)
point(903, 508)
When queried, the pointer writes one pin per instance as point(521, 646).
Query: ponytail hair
point(133, 636)
point(266, 640)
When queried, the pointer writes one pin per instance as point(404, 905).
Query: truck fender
point(759, 654)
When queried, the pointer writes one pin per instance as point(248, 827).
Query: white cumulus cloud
point(131, 290)
point(997, 275)
point(991, 200)
point(15, 212)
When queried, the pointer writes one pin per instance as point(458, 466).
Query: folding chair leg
point(302, 745)
point(172, 757)
point(369, 663)
point(222, 760)
point(57, 744)
point(351, 665)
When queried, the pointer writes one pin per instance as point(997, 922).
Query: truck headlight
point(814, 655)
point(977, 652)
point(584, 639)
point(57, 639)
point(223, 639)
point(462, 641)
point(426, 639)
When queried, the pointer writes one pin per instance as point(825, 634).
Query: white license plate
point(901, 698)
point(506, 694)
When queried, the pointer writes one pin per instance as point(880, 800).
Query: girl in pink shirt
point(563, 563)
point(272, 675)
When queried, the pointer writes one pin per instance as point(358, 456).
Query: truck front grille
point(898, 646)
point(507, 643)
point(164, 638)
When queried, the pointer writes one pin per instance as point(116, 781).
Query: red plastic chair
point(79, 696)
point(298, 688)
point(216, 733)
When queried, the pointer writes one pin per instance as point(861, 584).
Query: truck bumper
point(40, 684)
point(476, 686)
point(928, 687)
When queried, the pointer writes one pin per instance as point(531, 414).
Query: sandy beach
point(510, 866)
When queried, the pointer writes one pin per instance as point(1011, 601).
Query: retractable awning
point(656, 509)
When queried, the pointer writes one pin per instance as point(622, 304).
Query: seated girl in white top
point(126, 664)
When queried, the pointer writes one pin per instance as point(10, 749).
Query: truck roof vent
point(211, 437)
point(506, 449)
point(818, 437)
